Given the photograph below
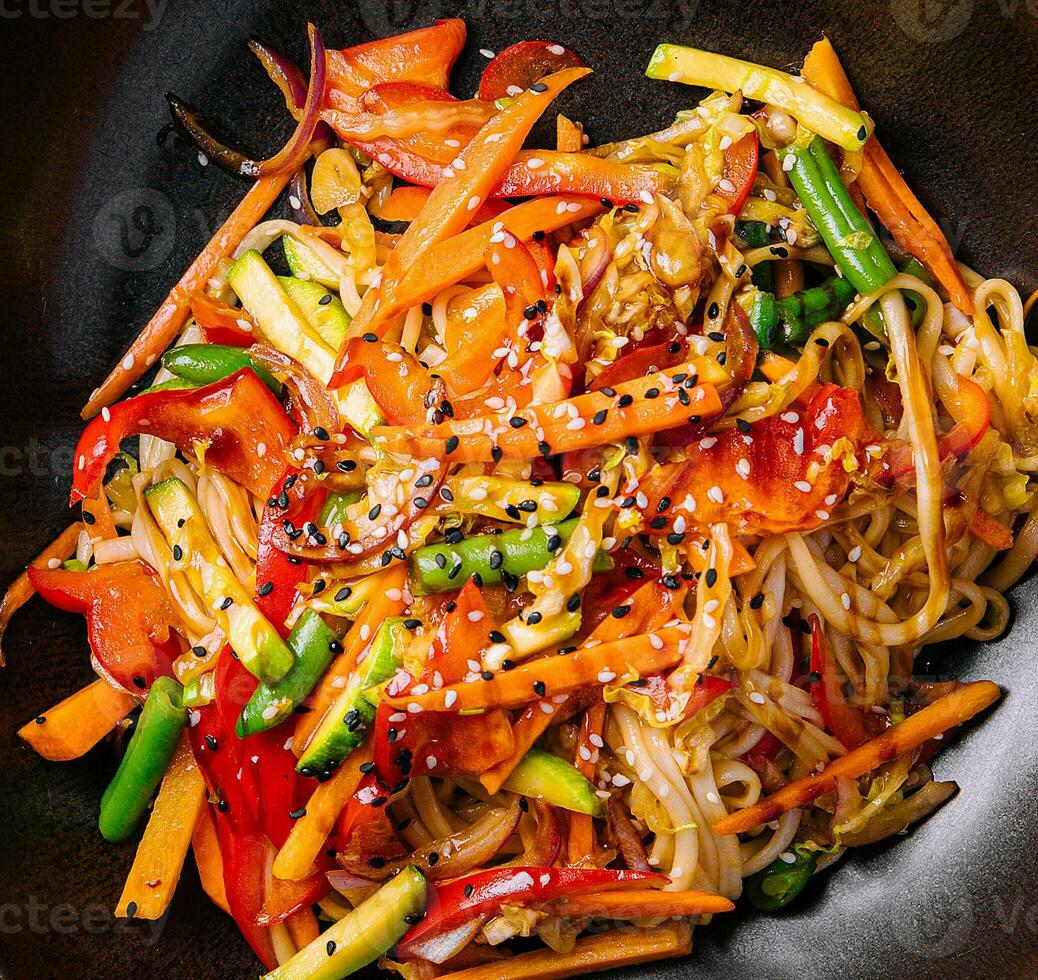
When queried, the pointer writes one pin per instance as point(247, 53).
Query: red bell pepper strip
point(458, 745)
point(637, 363)
point(740, 171)
point(532, 173)
point(130, 620)
point(758, 480)
point(222, 324)
point(483, 893)
point(364, 831)
point(450, 206)
point(238, 422)
point(425, 56)
point(522, 64)
point(278, 574)
point(844, 720)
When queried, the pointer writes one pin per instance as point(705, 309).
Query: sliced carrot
point(378, 609)
point(992, 532)
point(161, 330)
point(643, 903)
point(587, 667)
point(21, 591)
point(100, 524)
point(886, 191)
point(581, 827)
point(74, 726)
point(295, 860)
point(935, 719)
point(206, 847)
point(459, 257)
point(550, 428)
point(406, 203)
point(161, 852)
point(590, 955)
point(528, 727)
point(477, 171)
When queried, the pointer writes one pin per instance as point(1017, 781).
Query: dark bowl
point(101, 217)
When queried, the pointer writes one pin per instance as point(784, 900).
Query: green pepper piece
point(775, 886)
point(204, 364)
point(314, 645)
point(147, 757)
point(442, 567)
point(334, 510)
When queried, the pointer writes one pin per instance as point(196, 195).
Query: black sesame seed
point(343, 594)
point(423, 481)
point(675, 537)
point(88, 518)
point(296, 814)
point(634, 573)
point(539, 689)
point(599, 417)
point(41, 719)
point(652, 393)
point(534, 618)
point(318, 587)
point(412, 624)
point(496, 453)
point(447, 494)
point(743, 425)
point(757, 601)
point(497, 559)
point(487, 675)
point(227, 603)
point(210, 742)
point(452, 444)
point(322, 433)
point(131, 910)
point(370, 337)
point(573, 603)
point(367, 767)
point(620, 611)
point(538, 87)
point(346, 465)
point(178, 552)
point(716, 335)
point(631, 442)
point(658, 523)
point(624, 401)
point(517, 421)
point(712, 311)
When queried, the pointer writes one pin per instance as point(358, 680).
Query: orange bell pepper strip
point(457, 258)
point(425, 56)
point(167, 837)
point(74, 726)
point(21, 590)
point(398, 383)
point(471, 355)
point(642, 903)
point(161, 330)
point(387, 602)
point(471, 317)
point(206, 848)
point(406, 202)
point(478, 169)
point(303, 927)
point(590, 954)
point(595, 666)
point(656, 403)
point(569, 135)
point(581, 827)
point(886, 191)
point(97, 516)
point(295, 860)
point(935, 719)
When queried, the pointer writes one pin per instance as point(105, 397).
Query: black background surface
point(953, 87)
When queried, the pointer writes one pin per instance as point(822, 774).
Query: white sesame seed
point(475, 616)
point(757, 698)
point(846, 600)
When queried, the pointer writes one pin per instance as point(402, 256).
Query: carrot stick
point(992, 532)
point(406, 202)
point(100, 524)
point(646, 654)
point(21, 591)
point(74, 726)
point(161, 330)
point(379, 608)
point(296, 858)
point(476, 172)
point(302, 927)
point(945, 713)
point(886, 191)
point(206, 847)
point(642, 903)
point(548, 428)
point(589, 955)
point(161, 852)
point(459, 257)
point(528, 727)
point(581, 827)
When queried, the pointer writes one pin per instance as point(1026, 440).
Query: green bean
point(204, 364)
point(442, 567)
point(314, 645)
point(147, 757)
point(789, 320)
point(755, 235)
point(848, 236)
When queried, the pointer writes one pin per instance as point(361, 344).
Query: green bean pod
point(846, 233)
point(314, 645)
point(145, 762)
point(442, 567)
point(775, 886)
point(755, 235)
